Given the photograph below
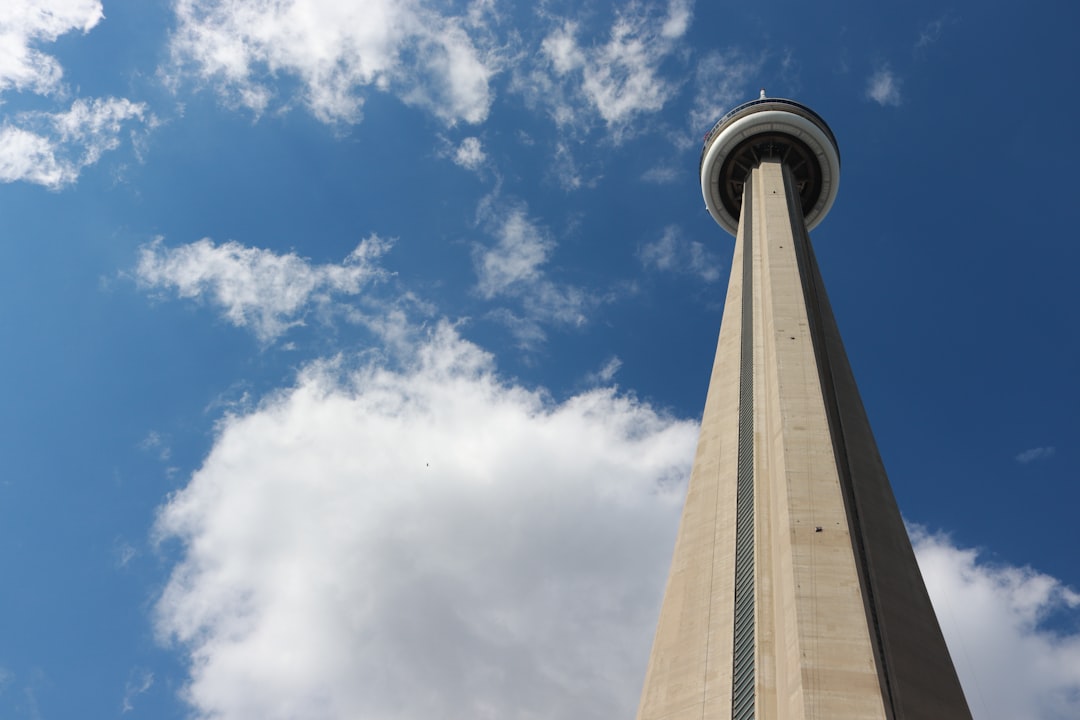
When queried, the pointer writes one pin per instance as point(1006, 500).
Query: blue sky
point(354, 350)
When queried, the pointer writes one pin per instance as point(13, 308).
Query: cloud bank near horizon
point(426, 541)
point(382, 527)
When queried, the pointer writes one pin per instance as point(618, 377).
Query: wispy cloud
point(931, 33)
point(674, 253)
point(883, 87)
point(256, 288)
point(1037, 453)
point(514, 267)
point(338, 52)
point(616, 81)
point(518, 256)
point(568, 172)
point(156, 443)
point(140, 681)
point(123, 552)
point(607, 373)
point(661, 174)
point(52, 147)
point(721, 80)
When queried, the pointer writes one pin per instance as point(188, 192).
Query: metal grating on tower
point(742, 693)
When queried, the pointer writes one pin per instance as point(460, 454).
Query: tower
point(793, 592)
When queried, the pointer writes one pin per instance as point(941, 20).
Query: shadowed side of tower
point(793, 591)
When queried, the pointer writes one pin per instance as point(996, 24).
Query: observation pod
point(769, 128)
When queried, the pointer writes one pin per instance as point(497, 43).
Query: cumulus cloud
point(674, 253)
point(51, 149)
point(513, 267)
point(616, 81)
point(1033, 454)
point(336, 51)
point(884, 87)
point(1013, 661)
point(253, 287)
point(27, 23)
point(426, 540)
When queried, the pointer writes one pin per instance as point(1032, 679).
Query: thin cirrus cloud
point(51, 148)
point(256, 288)
point(719, 81)
point(338, 52)
point(423, 523)
point(1033, 454)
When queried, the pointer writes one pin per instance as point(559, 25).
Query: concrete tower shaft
point(793, 592)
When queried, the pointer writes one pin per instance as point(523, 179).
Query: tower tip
point(762, 96)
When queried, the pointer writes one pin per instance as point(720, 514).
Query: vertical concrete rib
point(918, 678)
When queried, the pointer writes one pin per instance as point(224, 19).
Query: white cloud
point(514, 268)
point(674, 253)
point(424, 541)
point(516, 258)
point(336, 51)
point(884, 87)
point(470, 154)
point(27, 23)
point(607, 373)
point(1012, 662)
point(618, 80)
point(254, 287)
point(51, 149)
point(661, 174)
point(1038, 453)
